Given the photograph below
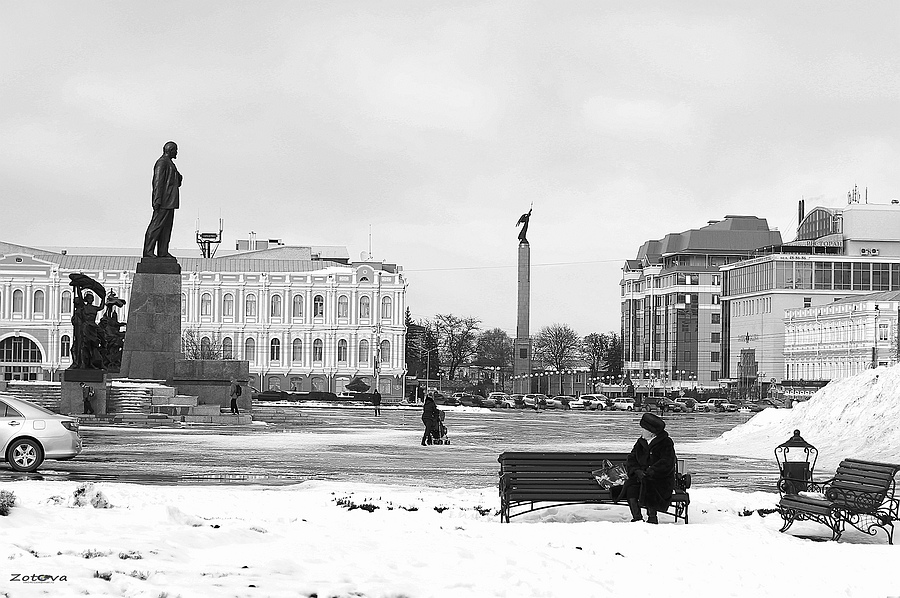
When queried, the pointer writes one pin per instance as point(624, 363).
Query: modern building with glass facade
point(671, 311)
point(303, 321)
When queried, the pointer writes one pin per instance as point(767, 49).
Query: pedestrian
point(376, 401)
point(235, 393)
point(87, 395)
point(651, 470)
point(431, 417)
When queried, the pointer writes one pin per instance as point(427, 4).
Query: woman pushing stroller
point(431, 417)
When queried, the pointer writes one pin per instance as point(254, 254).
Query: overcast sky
point(437, 124)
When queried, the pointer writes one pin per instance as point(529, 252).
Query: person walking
point(235, 394)
point(87, 394)
point(651, 470)
point(431, 417)
point(376, 401)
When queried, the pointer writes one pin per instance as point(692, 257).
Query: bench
point(534, 481)
point(860, 494)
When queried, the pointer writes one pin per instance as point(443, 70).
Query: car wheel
point(25, 455)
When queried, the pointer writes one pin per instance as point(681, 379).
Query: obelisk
point(522, 347)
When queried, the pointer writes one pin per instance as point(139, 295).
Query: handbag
point(610, 475)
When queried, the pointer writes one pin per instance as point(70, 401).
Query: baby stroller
point(442, 430)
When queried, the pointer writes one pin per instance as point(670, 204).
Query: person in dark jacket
point(376, 401)
point(651, 470)
point(431, 417)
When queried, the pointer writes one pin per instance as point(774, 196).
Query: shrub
point(7, 501)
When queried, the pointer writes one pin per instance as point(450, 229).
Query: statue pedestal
point(71, 400)
point(522, 343)
point(153, 336)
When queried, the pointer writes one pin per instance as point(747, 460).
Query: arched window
point(364, 351)
point(342, 351)
point(228, 305)
point(183, 304)
point(65, 346)
point(343, 306)
point(318, 306)
point(19, 348)
point(275, 350)
point(386, 308)
point(318, 350)
point(298, 306)
point(205, 304)
point(297, 351)
point(274, 383)
point(250, 306)
point(385, 356)
point(227, 348)
point(205, 348)
point(18, 301)
point(317, 383)
point(39, 302)
point(250, 350)
point(65, 303)
point(276, 306)
point(364, 307)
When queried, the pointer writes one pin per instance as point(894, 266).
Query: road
point(353, 444)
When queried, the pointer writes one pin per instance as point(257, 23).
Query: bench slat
point(873, 465)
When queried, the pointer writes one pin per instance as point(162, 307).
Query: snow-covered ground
point(347, 539)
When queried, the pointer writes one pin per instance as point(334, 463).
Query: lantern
point(796, 460)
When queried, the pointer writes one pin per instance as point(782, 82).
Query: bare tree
point(595, 348)
point(201, 345)
point(558, 346)
point(457, 339)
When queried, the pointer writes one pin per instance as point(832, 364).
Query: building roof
point(733, 234)
point(879, 296)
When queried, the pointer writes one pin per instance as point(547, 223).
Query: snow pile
point(855, 417)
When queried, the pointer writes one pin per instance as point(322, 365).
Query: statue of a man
point(166, 181)
point(523, 220)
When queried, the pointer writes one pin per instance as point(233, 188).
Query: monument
point(522, 345)
point(88, 348)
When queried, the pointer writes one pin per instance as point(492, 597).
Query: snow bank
point(854, 417)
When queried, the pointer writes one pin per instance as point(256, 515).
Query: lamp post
point(796, 460)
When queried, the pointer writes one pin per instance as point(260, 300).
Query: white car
point(623, 404)
point(559, 402)
point(577, 403)
point(503, 400)
point(29, 434)
point(594, 402)
point(535, 400)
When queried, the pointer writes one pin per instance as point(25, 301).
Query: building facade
point(671, 311)
point(838, 253)
point(303, 322)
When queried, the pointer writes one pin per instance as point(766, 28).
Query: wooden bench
point(860, 494)
point(534, 481)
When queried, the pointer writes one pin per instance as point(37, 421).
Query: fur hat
point(652, 423)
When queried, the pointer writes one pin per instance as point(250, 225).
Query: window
point(318, 306)
point(715, 337)
point(18, 305)
point(713, 375)
point(687, 356)
point(39, 302)
point(297, 306)
point(716, 299)
point(250, 306)
point(205, 348)
point(386, 308)
point(342, 351)
point(364, 307)
point(65, 303)
point(65, 346)
point(807, 302)
point(205, 304)
point(385, 356)
point(227, 348)
point(250, 350)
point(19, 348)
point(883, 329)
point(318, 350)
point(297, 351)
point(228, 305)
point(276, 306)
point(343, 306)
point(714, 356)
point(183, 304)
point(274, 383)
point(364, 351)
point(716, 318)
point(716, 279)
point(275, 350)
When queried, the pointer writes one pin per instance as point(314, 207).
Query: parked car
point(440, 399)
point(470, 400)
point(502, 400)
point(718, 405)
point(623, 404)
point(595, 402)
point(532, 400)
point(29, 434)
point(518, 401)
point(686, 403)
point(667, 404)
point(559, 402)
point(577, 403)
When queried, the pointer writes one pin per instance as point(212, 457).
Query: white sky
point(439, 123)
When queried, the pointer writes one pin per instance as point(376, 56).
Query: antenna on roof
point(370, 241)
point(209, 242)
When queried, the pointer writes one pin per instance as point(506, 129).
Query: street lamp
point(795, 468)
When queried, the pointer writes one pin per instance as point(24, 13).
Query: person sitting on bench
point(651, 470)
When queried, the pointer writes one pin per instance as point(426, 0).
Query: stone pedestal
point(71, 400)
point(522, 345)
point(153, 333)
point(210, 381)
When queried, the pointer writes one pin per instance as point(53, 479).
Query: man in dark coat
point(431, 417)
point(166, 181)
point(651, 470)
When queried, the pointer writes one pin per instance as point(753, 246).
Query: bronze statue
point(523, 220)
point(85, 332)
point(113, 337)
point(166, 181)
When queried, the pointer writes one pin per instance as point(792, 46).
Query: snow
point(349, 539)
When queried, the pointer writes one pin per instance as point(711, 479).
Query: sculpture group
point(95, 345)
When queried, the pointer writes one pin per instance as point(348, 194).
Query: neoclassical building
point(303, 321)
